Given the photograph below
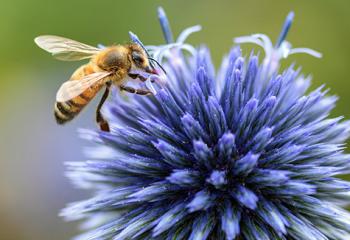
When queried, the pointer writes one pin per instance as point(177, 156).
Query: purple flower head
point(245, 153)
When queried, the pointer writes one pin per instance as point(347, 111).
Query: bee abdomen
point(66, 111)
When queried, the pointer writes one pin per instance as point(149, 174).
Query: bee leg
point(139, 91)
point(104, 126)
point(140, 77)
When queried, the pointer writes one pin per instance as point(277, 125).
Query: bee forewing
point(65, 49)
point(74, 88)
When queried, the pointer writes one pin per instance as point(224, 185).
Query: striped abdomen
point(66, 111)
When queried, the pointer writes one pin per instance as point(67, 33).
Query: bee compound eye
point(137, 57)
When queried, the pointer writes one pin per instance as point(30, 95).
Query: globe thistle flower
point(247, 153)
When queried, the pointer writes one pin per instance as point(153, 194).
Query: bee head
point(139, 59)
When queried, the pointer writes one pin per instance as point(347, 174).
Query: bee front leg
point(139, 91)
point(104, 126)
point(140, 77)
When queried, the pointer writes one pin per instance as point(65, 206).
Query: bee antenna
point(136, 40)
point(161, 67)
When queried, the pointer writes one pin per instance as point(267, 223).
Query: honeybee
point(107, 67)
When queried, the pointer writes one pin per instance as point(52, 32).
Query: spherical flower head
point(247, 153)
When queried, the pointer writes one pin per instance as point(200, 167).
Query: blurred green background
point(33, 148)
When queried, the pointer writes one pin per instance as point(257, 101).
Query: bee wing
point(74, 88)
point(65, 49)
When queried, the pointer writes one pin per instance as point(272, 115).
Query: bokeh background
point(33, 187)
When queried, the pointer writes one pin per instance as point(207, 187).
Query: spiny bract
point(245, 153)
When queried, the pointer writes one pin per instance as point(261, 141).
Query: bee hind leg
point(139, 91)
point(104, 126)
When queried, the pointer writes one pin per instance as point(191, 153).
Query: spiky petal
point(244, 154)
